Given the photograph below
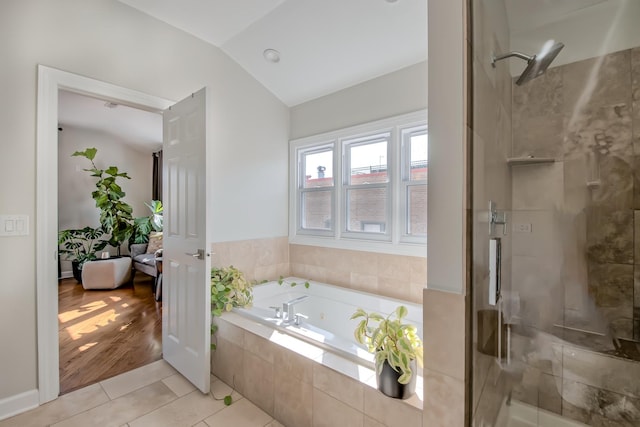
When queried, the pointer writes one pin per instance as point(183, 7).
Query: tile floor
point(154, 395)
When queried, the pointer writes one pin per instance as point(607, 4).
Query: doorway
point(104, 332)
point(50, 81)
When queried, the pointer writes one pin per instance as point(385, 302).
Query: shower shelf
point(518, 161)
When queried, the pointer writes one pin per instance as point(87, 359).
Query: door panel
point(186, 295)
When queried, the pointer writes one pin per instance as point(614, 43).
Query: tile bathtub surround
point(395, 276)
point(445, 358)
point(154, 395)
point(258, 259)
point(302, 385)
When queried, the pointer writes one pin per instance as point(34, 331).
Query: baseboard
point(16, 404)
point(66, 274)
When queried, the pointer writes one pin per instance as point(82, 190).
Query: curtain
point(156, 192)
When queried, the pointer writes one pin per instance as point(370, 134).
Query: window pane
point(318, 169)
point(368, 163)
point(419, 156)
point(316, 210)
point(417, 210)
point(367, 209)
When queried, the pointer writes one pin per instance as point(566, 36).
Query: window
point(362, 188)
point(414, 183)
point(366, 186)
point(316, 189)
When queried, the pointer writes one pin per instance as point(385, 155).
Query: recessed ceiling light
point(271, 55)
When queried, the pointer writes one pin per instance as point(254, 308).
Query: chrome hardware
point(199, 254)
point(297, 318)
point(287, 307)
point(277, 309)
point(497, 217)
point(495, 249)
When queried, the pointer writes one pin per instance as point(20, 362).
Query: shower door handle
point(495, 248)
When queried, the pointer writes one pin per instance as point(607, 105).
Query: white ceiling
point(325, 45)
point(139, 129)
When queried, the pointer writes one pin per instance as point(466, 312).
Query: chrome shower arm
point(520, 55)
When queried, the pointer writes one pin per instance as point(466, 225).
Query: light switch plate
point(14, 225)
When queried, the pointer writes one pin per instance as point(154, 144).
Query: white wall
point(106, 40)
point(445, 250)
point(396, 93)
point(76, 207)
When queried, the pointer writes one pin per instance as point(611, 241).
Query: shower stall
point(555, 148)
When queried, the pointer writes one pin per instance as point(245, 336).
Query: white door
point(186, 312)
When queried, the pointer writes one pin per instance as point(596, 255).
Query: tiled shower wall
point(579, 265)
point(395, 276)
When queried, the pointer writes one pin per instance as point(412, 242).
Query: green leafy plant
point(229, 288)
point(115, 214)
point(391, 340)
point(80, 245)
point(292, 284)
point(144, 225)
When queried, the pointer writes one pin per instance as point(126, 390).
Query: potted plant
point(115, 214)
point(80, 246)
point(397, 348)
point(144, 225)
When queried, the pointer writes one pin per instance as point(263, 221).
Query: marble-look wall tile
point(609, 235)
point(636, 289)
point(612, 287)
point(537, 119)
point(604, 80)
point(538, 187)
point(635, 103)
point(597, 407)
point(539, 389)
point(601, 129)
point(540, 97)
point(601, 371)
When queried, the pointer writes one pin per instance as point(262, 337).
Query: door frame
point(50, 81)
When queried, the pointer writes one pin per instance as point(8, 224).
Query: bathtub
point(327, 311)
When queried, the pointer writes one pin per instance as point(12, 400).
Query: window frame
point(301, 190)
point(394, 240)
point(347, 185)
point(406, 182)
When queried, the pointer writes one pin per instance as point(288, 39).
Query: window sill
point(407, 249)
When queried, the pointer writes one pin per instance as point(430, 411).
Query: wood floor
point(105, 333)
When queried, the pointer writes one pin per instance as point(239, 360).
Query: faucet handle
point(297, 319)
point(277, 310)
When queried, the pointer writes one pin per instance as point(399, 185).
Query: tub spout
point(288, 308)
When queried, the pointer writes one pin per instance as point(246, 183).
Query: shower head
point(536, 64)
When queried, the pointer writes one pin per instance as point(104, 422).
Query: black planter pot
point(388, 382)
point(77, 271)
